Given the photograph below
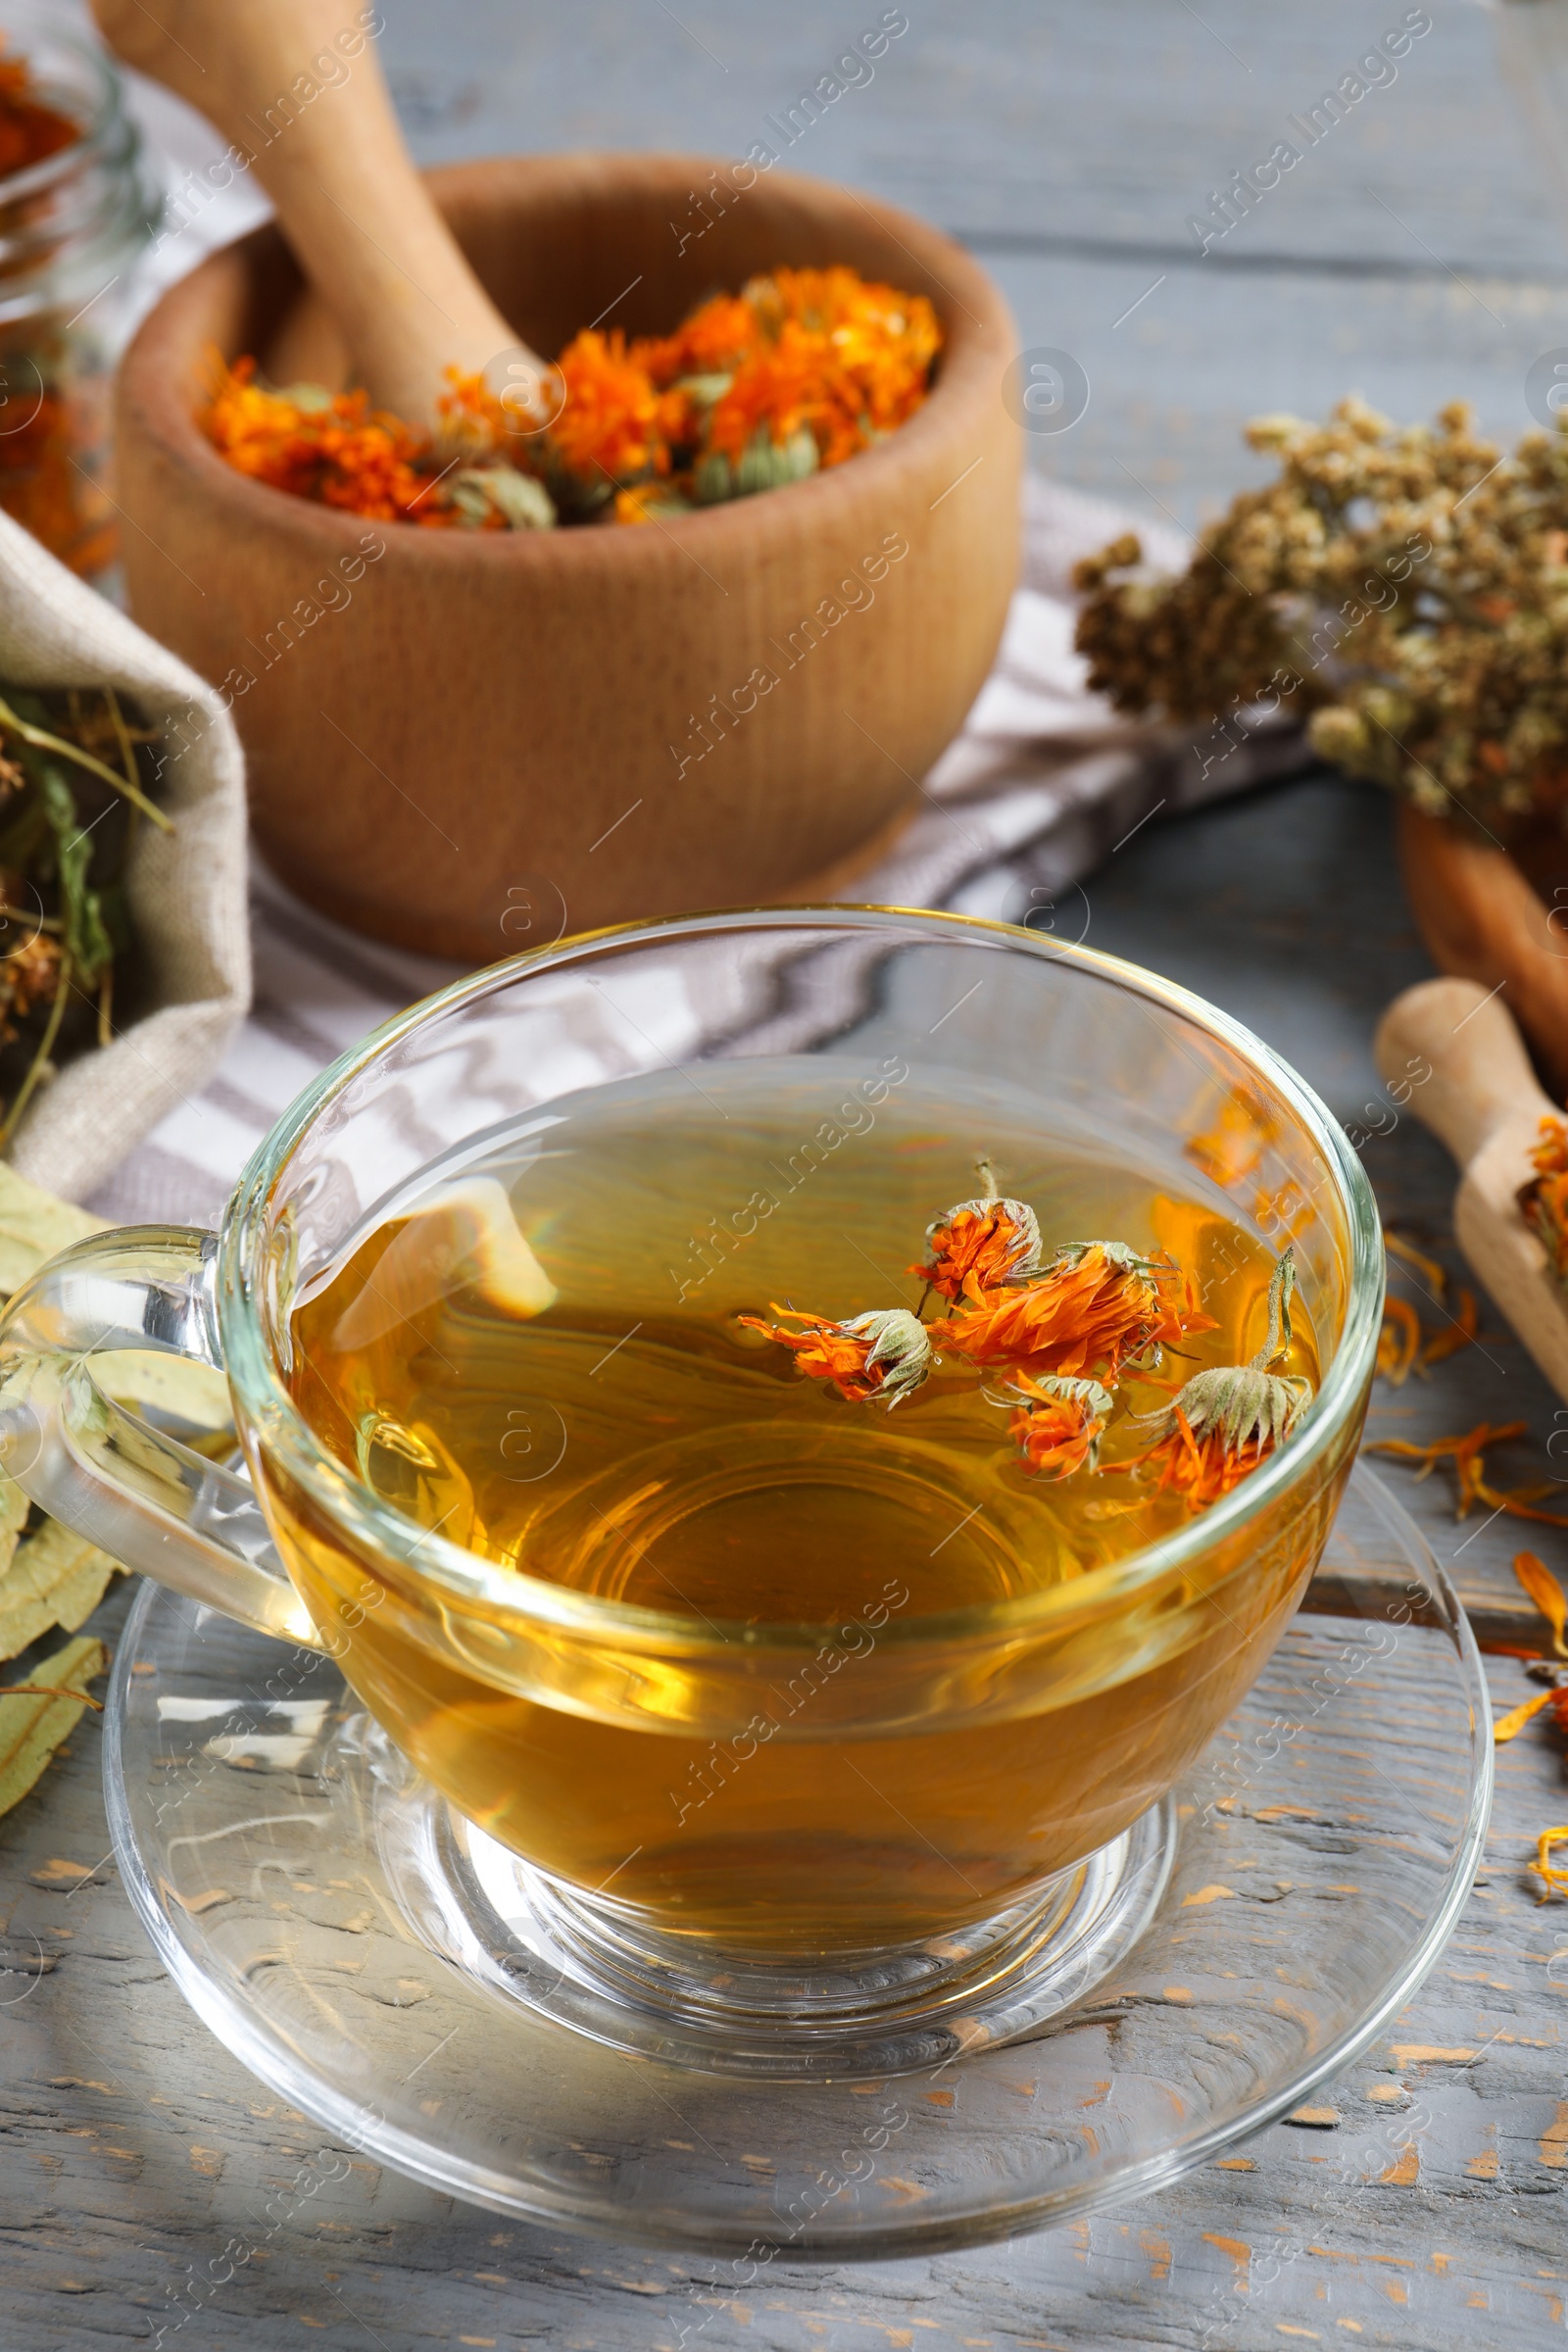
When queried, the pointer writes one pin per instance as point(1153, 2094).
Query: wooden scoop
point(355, 210)
point(1459, 1052)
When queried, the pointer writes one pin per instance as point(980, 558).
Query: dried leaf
point(56, 1578)
point(33, 1726)
point(33, 1226)
point(1547, 1593)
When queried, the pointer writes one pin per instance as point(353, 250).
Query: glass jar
point(71, 226)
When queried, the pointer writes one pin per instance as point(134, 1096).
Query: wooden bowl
point(1500, 918)
point(474, 740)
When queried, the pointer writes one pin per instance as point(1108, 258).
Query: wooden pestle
point(349, 201)
point(1471, 1082)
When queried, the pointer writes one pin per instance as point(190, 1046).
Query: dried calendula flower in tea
point(1067, 1331)
point(1095, 1309)
point(884, 1354)
point(1058, 1424)
point(1229, 1418)
point(982, 1245)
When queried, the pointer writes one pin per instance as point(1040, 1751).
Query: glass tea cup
point(788, 1820)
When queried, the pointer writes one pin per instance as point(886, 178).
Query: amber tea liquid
point(541, 1357)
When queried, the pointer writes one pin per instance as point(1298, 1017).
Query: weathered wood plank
point(1028, 118)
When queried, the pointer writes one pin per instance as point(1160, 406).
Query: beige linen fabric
point(186, 888)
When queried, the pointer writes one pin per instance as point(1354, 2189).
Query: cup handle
point(149, 1502)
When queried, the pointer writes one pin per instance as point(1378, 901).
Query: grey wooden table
point(1414, 256)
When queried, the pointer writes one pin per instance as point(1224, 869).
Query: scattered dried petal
point(1398, 1341)
point(1548, 1595)
point(1460, 1331)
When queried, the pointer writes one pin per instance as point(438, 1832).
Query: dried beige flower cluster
point(1405, 587)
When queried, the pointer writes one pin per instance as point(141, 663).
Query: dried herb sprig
point(1403, 587)
point(66, 821)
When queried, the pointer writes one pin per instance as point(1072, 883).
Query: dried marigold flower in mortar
point(982, 1245)
point(1228, 1419)
point(1096, 1310)
point(1058, 1424)
point(885, 1355)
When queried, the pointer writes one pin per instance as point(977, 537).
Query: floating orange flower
point(982, 1245)
point(1058, 1424)
point(1231, 1417)
point(1545, 1201)
point(1094, 1311)
point(884, 1354)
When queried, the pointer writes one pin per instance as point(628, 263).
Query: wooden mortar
point(470, 742)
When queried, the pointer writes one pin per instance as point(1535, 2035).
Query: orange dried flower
point(886, 1354)
point(333, 449)
point(1201, 1469)
point(983, 1245)
point(613, 425)
point(1094, 1311)
point(1058, 1424)
point(801, 370)
point(1229, 1418)
point(1545, 1200)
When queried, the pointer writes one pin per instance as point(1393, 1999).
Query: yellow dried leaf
point(166, 1388)
point(56, 1578)
point(33, 1726)
point(33, 1226)
point(1547, 1593)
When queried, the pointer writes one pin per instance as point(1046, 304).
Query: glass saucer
point(387, 1968)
